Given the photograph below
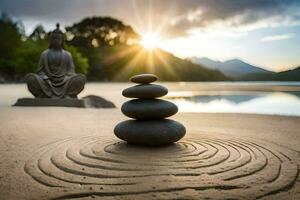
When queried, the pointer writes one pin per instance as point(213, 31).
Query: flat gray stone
point(93, 101)
point(90, 101)
point(145, 91)
point(150, 132)
point(149, 109)
point(143, 78)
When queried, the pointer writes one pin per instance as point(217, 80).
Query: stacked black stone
point(149, 126)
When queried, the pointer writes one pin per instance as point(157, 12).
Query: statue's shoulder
point(67, 53)
point(45, 52)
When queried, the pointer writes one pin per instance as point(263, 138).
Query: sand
point(72, 153)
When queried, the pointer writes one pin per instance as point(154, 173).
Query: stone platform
point(50, 102)
point(90, 101)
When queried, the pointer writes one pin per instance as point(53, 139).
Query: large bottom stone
point(150, 132)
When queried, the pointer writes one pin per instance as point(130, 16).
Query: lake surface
point(279, 98)
point(278, 103)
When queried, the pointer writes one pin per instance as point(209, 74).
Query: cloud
point(172, 17)
point(278, 37)
point(242, 15)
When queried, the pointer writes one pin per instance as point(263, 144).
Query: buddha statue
point(55, 76)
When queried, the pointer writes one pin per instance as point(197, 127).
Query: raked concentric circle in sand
point(195, 168)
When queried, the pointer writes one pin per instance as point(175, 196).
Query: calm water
point(279, 103)
point(213, 97)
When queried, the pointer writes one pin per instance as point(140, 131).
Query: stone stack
point(149, 126)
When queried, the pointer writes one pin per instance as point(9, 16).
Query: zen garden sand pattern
point(204, 167)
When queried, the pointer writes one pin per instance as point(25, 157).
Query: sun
point(150, 41)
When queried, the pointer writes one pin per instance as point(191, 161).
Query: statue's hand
point(43, 76)
point(70, 74)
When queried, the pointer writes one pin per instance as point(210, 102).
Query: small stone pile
point(150, 126)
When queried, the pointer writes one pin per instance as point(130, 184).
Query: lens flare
point(150, 41)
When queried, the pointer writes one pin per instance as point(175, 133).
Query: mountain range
point(121, 62)
point(242, 71)
point(234, 68)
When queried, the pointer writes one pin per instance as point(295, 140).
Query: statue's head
point(56, 40)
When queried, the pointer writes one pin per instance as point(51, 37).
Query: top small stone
point(143, 78)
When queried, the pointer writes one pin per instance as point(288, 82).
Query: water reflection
point(279, 103)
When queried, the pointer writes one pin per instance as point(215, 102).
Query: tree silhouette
point(100, 31)
point(38, 33)
point(92, 36)
point(10, 37)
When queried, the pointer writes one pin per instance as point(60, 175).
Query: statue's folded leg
point(76, 85)
point(34, 85)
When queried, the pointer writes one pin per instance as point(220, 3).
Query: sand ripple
point(203, 167)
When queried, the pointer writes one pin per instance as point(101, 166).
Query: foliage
point(80, 62)
point(28, 54)
point(10, 41)
point(10, 37)
point(100, 31)
point(38, 33)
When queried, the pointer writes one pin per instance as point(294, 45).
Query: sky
point(264, 33)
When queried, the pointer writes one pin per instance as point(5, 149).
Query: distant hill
point(233, 68)
point(289, 75)
point(241, 71)
point(120, 62)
